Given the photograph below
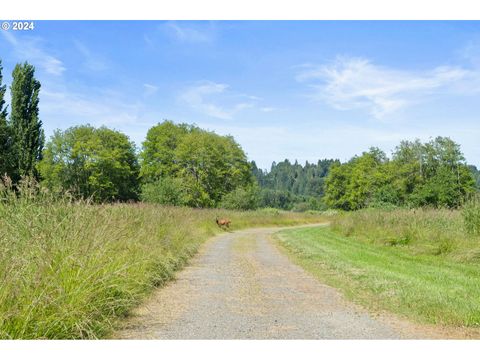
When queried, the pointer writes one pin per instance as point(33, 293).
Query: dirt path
point(240, 286)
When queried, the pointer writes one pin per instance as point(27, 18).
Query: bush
point(241, 199)
point(166, 191)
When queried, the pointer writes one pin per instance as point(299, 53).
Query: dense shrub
point(166, 191)
point(241, 199)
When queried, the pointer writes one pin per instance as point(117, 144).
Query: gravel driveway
point(240, 286)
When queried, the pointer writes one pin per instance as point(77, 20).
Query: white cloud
point(349, 83)
point(190, 33)
point(199, 98)
point(30, 49)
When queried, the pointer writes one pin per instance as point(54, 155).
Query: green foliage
point(166, 191)
point(476, 175)
point(430, 174)
point(276, 199)
point(363, 181)
point(26, 128)
point(241, 199)
point(312, 204)
point(5, 136)
point(158, 153)
point(91, 163)
point(209, 165)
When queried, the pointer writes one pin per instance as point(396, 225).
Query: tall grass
point(471, 215)
point(418, 231)
point(70, 269)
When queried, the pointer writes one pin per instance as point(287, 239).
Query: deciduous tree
point(26, 128)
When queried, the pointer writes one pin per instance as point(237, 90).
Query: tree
point(91, 163)
point(5, 138)
point(208, 165)
point(158, 153)
point(433, 173)
point(211, 166)
point(361, 182)
point(27, 133)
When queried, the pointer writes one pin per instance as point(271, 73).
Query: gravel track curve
point(241, 286)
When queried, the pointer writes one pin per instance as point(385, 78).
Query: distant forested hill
point(476, 175)
point(292, 185)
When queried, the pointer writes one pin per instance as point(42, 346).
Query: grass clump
point(70, 270)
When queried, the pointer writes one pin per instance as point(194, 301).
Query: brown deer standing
point(222, 223)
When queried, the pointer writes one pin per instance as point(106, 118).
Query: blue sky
point(284, 89)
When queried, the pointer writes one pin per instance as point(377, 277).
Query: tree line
point(184, 165)
point(179, 164)
point(433, 173)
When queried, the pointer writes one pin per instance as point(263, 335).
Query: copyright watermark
point(18, 25)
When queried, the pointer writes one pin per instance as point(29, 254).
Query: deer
point(222, 222)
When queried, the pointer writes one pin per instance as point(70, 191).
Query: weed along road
point(241, 286)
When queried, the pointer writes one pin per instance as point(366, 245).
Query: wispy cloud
point(349, 83)
point(200, 97)
point(267, 109)
point(92, 61)
point(149, 89)
point(31, 49)
point(97, 109)
point(188, 32)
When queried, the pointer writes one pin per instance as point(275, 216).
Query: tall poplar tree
point(5, 155)
point(27, 133)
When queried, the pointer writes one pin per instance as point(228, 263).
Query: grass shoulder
point(422, 287)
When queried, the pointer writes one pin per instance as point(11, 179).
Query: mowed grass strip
point(425, 288)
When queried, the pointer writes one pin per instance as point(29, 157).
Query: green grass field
point(71, 270)
point(412, 278)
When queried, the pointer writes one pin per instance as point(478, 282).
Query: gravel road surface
point(241, 286)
